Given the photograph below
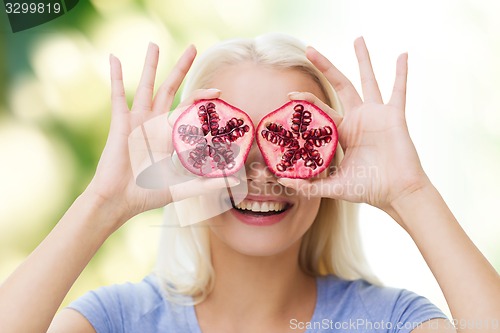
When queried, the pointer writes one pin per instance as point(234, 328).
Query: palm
point(379, 156)
point(114, 178)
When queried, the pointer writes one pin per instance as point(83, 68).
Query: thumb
point(330, 187)
point(201, 186)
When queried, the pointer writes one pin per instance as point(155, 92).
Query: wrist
point(105, 214)
point(414, 198)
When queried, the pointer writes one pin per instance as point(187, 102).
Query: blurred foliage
point(54, 105)
point(54, 143)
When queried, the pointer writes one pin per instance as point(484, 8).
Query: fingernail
point(293, 93)
point(234, 181)
point(152, 46)
point(283, 181)
point(230, 181)
point(190, 48)
point(213, 90)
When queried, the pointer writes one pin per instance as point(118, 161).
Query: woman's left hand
point(380, 163)
point(381, 167)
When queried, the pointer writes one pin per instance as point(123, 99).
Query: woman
point(303, 273)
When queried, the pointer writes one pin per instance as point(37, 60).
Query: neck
point(251, 288)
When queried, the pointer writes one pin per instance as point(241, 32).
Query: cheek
point(308, 210)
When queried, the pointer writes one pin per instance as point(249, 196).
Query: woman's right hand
point(114, 182)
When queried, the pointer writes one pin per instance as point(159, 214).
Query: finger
point(371, 91)
point(166, 93)
point(144, 95)
point(210, 203)
point(311, 98)
point(166, 171)
point(197, 95)
point(398, 97)
point(200, 186)
point(344, 88)
point(119, 102)
point(320, 187)
point(200, 94)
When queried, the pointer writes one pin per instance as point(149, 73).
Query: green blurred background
point(54, 111)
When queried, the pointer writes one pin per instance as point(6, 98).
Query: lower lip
point(260, 221)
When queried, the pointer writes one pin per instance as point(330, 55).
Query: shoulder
point(356, 296)
point(360, 291)
point(374, 305)
point(128, 306)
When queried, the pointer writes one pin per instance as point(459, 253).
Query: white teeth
point(261, 206)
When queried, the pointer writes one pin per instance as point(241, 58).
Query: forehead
point(258, 90)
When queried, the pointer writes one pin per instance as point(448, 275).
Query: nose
point(256, 168)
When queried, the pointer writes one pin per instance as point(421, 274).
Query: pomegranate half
point(298, 140)
point(212, 138)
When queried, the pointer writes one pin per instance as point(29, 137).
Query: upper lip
point(267, 198)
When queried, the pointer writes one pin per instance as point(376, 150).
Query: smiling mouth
point(261, 208)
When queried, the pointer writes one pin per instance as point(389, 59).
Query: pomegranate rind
point(275, 138)
point(188, 144)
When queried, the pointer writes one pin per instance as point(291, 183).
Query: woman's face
point(258, 90)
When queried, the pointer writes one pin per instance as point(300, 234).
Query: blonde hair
point(332, 244)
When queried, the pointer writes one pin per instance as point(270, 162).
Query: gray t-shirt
point(341, 306)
